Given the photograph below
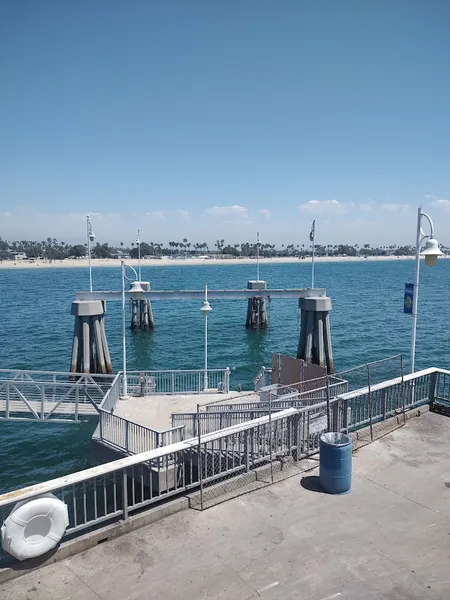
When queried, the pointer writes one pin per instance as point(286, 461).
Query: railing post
point(100, 422)
point(328, 403)
point(7, 401)
point(125, 494)
point(383, 403)
point(173, 383)
point(199, 457)
point(403, 390)
point(370, 403)
point(126, 435)
point(247, 452)
point(227, 381)
point(432, 390)
point(345, 416)
point(42, 402)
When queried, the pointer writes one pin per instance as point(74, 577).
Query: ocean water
point(367, 324)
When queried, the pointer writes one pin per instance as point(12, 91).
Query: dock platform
point(155, 411)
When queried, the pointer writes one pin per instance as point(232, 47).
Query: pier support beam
point(314, 345)
point(256, 307)
point(90, 352)
point(141, 311)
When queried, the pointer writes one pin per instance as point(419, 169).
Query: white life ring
point(34, 527)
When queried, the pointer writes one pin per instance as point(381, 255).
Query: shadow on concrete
point(312, 484)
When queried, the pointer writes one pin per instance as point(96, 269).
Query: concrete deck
point(388, 539)
point(155, 411)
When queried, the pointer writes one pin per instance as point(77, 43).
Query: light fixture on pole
point(206, 309)
point(258, 243)
point(90, 238)
point(431, 252)
point(135, 290)
point(138, 242)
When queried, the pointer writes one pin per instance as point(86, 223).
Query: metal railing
point(117, 489)
point(147, 383)
point(263, 378)
point(133, 438)
point(48, 396)
point(113, 394)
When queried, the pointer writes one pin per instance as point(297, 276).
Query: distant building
point(120, 254)
point(19, 256)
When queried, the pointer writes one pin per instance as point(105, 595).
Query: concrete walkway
point(388, 539)
point(155, 411)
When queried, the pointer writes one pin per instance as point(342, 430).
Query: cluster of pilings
point(256, 307)
point(141, 311)
point(315, 336)
point(90, 352)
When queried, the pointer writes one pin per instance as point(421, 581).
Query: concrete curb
point(93, 538)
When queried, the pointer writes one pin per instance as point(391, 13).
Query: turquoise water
point(367, 324)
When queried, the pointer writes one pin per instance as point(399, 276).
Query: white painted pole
point(416, 290)
point(124, 344)
point(139, 255)
point(89, 234)
point(205, 379)
point(257, 255)
point(313, 240)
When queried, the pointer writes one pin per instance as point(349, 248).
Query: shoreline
point(167, 262)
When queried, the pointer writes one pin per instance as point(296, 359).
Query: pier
point(261, 456)
point(315, 336)
point(388, 538)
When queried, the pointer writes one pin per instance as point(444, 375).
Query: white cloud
point(264, 212)
point(156, 214)
point(183, 214)
point(366, 206)
point(438, 202)
point(321, 206)
point(235, 212)
point(393, 207)
point(6, 215)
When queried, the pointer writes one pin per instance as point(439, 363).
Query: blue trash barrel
point(335, 471)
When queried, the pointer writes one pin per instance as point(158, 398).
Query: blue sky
point(206, 119)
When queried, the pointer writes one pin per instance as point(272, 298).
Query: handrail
point(66, 373)
point(129, 461)
point(193, 443)
point(175, 371)
point(391, 382)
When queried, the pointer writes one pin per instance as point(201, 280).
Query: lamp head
point(431, 252)
point(206, 308)
point(91, 236)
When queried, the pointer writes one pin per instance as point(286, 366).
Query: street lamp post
point(90, 238)
point(138, 242)
point(258, 242)
point(206, 309)
point(431, 252)
point(136, 290)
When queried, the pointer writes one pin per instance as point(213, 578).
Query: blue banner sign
point(408, 301)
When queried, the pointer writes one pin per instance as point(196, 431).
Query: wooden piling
point(90, 353)
point(256, 307)
point(141, 311)
point(315, 337)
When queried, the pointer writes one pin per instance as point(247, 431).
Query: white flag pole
point(312, 237)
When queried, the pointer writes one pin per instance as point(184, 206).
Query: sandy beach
point(165, 262)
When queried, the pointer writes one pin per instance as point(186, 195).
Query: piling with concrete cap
point(315, 336)
point(256, 307)
point(141, 311)
point(90, 352)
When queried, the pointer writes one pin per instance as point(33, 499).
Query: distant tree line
point(52, 249)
